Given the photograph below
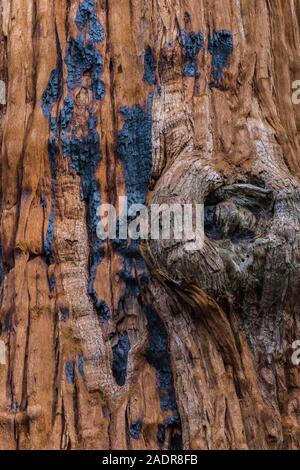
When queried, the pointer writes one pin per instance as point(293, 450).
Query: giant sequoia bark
point(118, 346)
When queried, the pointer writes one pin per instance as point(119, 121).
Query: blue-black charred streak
point(150, 66)
point(64, 314)
point(52, 91)
point(66, 113)
point(83, 58)
point(131, 255)
point(43, 201)
point(101, 306)
point(161, 433)
point(134, 279)
point(52, 152)
point(85, 152)
point(134, 150)
point(158, 357)
point(80, 366)
point(136, 428)
point(120, 359)
point(176, 439)
point(50, 97)
point(85, 156)
point(52, 282)
point(192, 43)
point(50, 234)
point(86, 18)
point(220, 46)
point(70, 373)
point(187, 17)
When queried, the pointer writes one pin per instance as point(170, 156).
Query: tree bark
point(120, 345)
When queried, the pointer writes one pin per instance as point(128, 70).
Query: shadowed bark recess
point(127, 345)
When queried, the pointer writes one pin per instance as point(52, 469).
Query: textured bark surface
point(165, 101)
